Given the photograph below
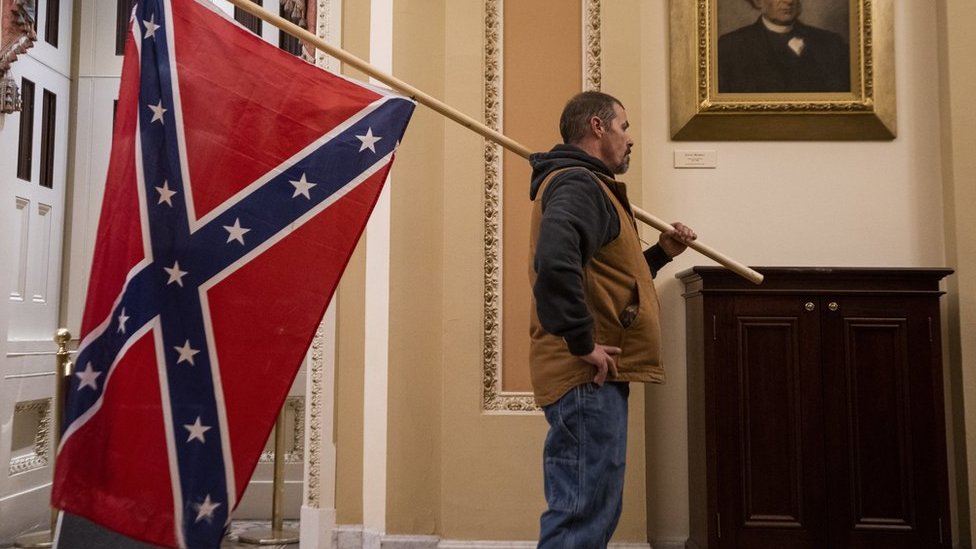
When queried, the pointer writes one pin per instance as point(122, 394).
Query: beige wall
point(958, 81)
point(458, 473)
point(786, 203)
point(350, 320)
point(418, 268)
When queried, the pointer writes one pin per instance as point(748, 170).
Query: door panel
point(884, 452)
point(771, 435)
point(35, 212)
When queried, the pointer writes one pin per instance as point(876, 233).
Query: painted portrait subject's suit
point(755, 59)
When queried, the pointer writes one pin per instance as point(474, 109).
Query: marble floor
point(239, 527)
point(85, 535)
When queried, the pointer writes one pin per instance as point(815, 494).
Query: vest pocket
point(631, 309)
point(640, 339)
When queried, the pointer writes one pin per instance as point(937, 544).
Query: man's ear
point(596, 126)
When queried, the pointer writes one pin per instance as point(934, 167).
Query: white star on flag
point(88, 377)
point(236, 232)
point(197, 430)
point(369, 140)
point(122, 320)
point(151, 27)
point(175, 274)
point(302, 186)
point(158, 111)
point(165, 194)
point(186, 353)
point(206, 509)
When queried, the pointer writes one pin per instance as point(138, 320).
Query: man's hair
point(575, 120)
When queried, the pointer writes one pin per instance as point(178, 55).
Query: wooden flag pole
point(466, 121)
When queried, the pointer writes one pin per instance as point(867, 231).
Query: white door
point(33, 179)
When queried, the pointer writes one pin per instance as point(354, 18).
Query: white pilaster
point(377, 304)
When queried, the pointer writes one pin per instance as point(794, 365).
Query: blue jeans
point(583, 462)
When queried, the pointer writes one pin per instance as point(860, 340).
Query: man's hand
point(676, 241)
point(602, 357)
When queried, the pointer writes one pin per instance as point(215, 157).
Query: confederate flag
point(241, 177)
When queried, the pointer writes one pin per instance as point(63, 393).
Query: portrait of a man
point(779, 53)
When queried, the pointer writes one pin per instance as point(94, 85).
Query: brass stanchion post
point(62, 373)
point(276, 535)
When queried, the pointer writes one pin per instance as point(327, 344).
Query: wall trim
point(355, 536)
point(464, 544)
point(670, 544)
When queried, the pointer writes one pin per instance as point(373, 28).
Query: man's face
point(616, 143)
point(781, 12)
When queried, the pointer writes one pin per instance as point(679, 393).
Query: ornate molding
point(324, 26)
point(493, 398)
point(39, 456)
point(592, 69)
point(314, 459)
point(294, 404)
point(324, 22)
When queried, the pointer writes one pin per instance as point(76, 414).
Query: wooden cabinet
point(815, 409)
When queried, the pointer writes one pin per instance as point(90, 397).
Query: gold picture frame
point(699, 112)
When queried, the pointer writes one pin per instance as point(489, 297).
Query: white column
point(377, 313)
point(318, 517)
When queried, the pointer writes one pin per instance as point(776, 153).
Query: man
point(594, 325)
point(778, 53)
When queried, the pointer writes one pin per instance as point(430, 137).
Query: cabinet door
point(770, 426)
point(883, 404)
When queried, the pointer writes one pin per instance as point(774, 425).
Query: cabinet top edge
point(828, 278)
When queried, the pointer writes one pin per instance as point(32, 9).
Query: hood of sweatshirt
point(561, 156)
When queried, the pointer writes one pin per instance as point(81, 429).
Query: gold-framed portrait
point(782, 70)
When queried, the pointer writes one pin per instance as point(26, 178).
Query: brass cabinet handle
point(832, 306)
point(809, 306)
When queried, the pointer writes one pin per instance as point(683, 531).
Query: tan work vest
point(621, 298)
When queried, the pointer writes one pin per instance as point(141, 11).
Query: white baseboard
point(668, 544)
point(465, 544)
point(354, 536)
point(410, 542)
